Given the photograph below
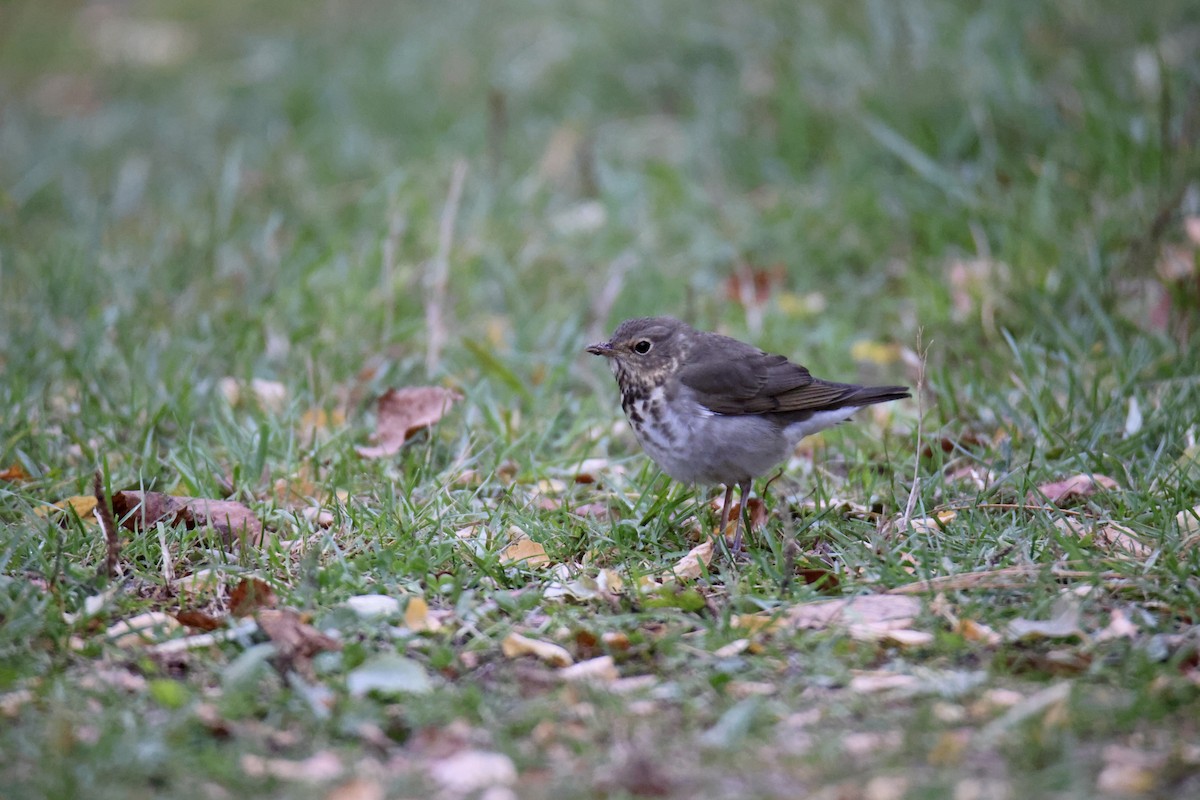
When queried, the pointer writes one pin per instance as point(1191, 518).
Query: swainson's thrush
point(713, 410)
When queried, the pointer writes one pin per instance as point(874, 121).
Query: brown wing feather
point(731, 377)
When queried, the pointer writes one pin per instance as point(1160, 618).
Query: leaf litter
point(401, 413)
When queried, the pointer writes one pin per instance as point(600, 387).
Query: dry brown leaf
point(694, 564)
point(1072, 490)
point(199, 620)
point(949, 444)
point(1110, 537)
point(250, 595)
point(748, 286)
point(235, 522)
point(974, 631)
point(14, 473)
point(516, 645)
point(296, 642)
point(524, 551)
point(400, 413)
point(1117, 538)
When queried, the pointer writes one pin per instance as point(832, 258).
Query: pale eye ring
point(642, 347)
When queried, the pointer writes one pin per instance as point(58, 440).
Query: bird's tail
point(869, 395)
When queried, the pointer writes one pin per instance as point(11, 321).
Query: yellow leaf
point(83, 504)
point(524, 551)
point(416, 616)
point(516, 645)
point(875, 352)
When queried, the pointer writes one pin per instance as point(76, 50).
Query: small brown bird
point(710, 409)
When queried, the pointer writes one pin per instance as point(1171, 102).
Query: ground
point(334, 264)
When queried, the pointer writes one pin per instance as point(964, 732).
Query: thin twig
point(438, 271)
point(922, 355)
point(108, 526)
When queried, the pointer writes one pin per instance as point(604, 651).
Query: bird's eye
point(642, 347)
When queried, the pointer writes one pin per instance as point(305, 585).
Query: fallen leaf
point(1002, 578)
point(974, 631)
point(14, 474)
point(470, 771)
point(1118, 538)
point(516, 645)
point(599, 511)
point(748, 286)
point(1119, 626)
point(389, 673)
point(357, 789)
point(1044, 703)
point(296, 642)
point(199, 620)
point(1063, 622)
point(874, 682)
point(866, 613)
point(523, 550)
point(1129, 772)
point(317, 768)
point(402, 412)
point(138, 511)
point(81, 504)
point(12, 702)
point(1071, 491)
point(417, 618)
point(599, 670)
point(694, 564)
point(199, 583)
point(373, 606)
point(250, 595)
point(950, 444)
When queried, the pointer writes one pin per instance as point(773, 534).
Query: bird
point(710, 409)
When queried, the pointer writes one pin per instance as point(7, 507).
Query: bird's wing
point(731, 377)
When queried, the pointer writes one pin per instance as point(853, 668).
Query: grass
point(195, 192)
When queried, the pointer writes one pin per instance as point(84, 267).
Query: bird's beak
point(602, 349)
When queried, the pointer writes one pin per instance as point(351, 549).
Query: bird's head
point(646, 350)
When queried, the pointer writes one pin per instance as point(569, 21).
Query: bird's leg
point(725, 508)
point(736, 547)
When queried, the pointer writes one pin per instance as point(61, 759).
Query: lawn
point(243, 245)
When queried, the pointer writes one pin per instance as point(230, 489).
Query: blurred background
point(190, 190)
